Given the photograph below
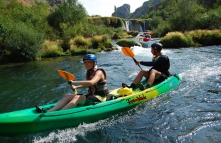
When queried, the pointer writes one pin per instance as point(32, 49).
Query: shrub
point(206, 37)
point(133, 33)
point(96, 40)
point(119, 31)
point(74, 31)
point(176, 39)
point(108, 45)
point(69, 13)
point(115, 36)
point(23, 43)
point(52, 49)
point(106, 42)
point(65, 44)
point(210, 20)
point(51, 53)
point(105, 39)
point(127, 43)
point(163, 28)
point(80, 41)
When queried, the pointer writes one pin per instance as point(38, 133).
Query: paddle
point(128, 52)
point(68, 76)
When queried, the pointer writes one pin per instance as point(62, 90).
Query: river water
point(189, 113)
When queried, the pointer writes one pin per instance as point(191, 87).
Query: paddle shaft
point(75, 90)
point(135, 62)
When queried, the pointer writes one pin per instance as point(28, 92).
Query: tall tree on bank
point(22, 30)
point(67, 15)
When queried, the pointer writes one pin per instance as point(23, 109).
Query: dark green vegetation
point(40, 30)
point(127, 43)
point(183, 15)
point(31, 32)
point(195, 22)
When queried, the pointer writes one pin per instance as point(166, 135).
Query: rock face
point(122, 11)
point(141, 10)
point(145, 8)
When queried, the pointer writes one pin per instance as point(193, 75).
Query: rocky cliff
point(122, 11)
point(144, 8)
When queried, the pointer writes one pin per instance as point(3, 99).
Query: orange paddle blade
point(127, 52)
point(140, 38)
point(66, 75)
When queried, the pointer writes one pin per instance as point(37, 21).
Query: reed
point(51, 49)
point(80, 41)
point(96, 40)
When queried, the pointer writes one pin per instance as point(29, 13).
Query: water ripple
point(189, 113)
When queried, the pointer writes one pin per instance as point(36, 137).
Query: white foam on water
point(70, 134)
point(67, 135)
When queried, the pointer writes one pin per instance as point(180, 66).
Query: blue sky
point(106, 7)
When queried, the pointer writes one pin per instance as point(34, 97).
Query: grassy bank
point(77, 46)
point(81, 45)
point(192, 38)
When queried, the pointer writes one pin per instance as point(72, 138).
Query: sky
point(106, 7)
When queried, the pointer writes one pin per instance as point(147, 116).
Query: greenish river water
point(189, 113)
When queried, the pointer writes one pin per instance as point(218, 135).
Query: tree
point(67, 14)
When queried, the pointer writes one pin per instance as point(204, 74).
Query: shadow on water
point(189, 113)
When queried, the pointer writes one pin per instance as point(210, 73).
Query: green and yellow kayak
point(28, 120)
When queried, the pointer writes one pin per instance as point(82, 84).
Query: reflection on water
point(190, 113)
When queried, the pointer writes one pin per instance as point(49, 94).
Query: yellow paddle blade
point(127, 52)
point(66, 75)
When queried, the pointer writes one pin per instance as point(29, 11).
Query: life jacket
point(101, 87)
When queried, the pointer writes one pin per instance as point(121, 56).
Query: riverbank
point(81, 45)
